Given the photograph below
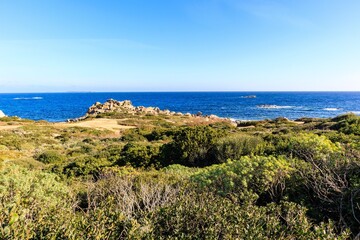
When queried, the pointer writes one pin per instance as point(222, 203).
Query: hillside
point(125, 172)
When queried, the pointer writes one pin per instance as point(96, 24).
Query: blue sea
point(56, 107)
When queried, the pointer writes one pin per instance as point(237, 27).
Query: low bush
point(244, 179)
point(191, 146)
point(236, 146)
point(34, 205)
point(203, 216)
point(50, 157)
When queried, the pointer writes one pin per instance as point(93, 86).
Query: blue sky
point(179, 45)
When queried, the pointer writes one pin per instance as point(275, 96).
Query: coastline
point(236, 106)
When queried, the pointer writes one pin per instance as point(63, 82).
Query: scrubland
point(175, 177)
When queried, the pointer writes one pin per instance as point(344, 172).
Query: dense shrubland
point(271, 179)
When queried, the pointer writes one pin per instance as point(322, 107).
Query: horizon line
point(189, 91)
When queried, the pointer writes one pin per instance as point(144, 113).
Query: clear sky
point(179, 45)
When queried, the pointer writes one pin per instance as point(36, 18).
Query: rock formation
point(114, 106)
point(126, 106)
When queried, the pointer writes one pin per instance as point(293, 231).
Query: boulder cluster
point(114, 106)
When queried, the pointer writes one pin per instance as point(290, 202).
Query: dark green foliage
point(112, 153)
point(205, 216)
point(348, 124)
point(133, 135)
point(157, 135)
point(50, 157)
point(191, 146)
point(249, 123)
point(83, 166)
point(139, 155)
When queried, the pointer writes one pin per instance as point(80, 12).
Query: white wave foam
point(356, 112)
point(249, 96)
point(26, 98)
point(266, 106)
point(332, 109)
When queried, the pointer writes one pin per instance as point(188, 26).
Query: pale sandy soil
point(8, 127)
point(100, 123)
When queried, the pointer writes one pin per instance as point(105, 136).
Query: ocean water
point(236, 105)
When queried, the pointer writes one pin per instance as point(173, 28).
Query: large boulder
point(2, 114)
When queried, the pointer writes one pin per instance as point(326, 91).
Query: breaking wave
point(266, 106)
point(28, 98)
point(332, 109)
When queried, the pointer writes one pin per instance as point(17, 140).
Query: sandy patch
point(100, 123)
point(9, 127)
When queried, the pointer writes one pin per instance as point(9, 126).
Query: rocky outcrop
point(114, 106)
point(2, 114)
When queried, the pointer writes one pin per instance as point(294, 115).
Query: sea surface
point(235, 105)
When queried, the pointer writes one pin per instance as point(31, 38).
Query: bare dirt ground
point(9, 127)
point(100, 123)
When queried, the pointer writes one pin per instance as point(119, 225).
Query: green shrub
point(33, 205)
point(85, 165)
point(236, 146)
point(309, 145)
point(139, 155)
point(244, 179)
point(191, 146)
point(204, 216)
point(348, 124)
point(11, 141)
point(305, 146)
point(50, 157)
point(112, 152)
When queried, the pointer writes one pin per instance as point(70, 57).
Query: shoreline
point(126, 107)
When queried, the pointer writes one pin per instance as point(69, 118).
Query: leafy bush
point(11, 141)
point(329, 188)
point(348, 124)
point(236, 146)
point(244, 179)
point(112, 152)
point(139, 155)
point(303, 146)
point(33, 205)
point(50, 157)
point(205, 216)
point(85, 165)
point(191, 146)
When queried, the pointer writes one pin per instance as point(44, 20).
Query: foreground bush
point(33, 205)
point(205, 216)
point(246, 178)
